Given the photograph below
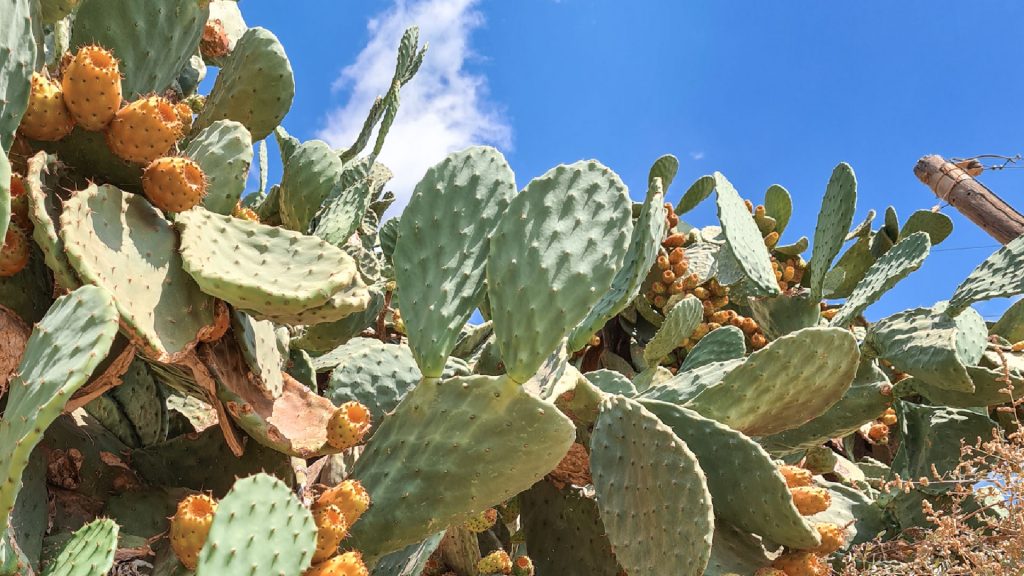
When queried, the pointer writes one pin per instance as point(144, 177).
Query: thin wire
point(987, 247)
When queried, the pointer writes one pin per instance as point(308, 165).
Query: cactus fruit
point(795, 476)
point(347, 564)
point(184, 113)
point(349, 496)
point(245, 213)
point(801, 564)
point(820, 460)
point(497, 562)
point(331, 529)
point(14, 253)
point(832, 538)
point(878, 433)
point(46, 117)
point(174, 184)
point(889, 418)
point(482, 522)
point(810, 500)
point(348, 425)
point(574, 469)
point(522, 566)
point(144, 130)
point(214, 43)
point(92, 87)
point(190, 526)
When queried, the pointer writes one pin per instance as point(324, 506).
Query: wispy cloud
point(443, 109)
point(698, 155)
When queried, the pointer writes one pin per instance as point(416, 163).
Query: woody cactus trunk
point(204, 378)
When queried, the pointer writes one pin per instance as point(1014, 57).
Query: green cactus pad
point(999, 276)
point(785, 384)
point(785, 313)
point(725, 343)
point(92, 159)
point(611, 382)
point(121, 242)
point(745, 239)
point(778, 205)
point(5, 193)
point(937, 225)
point(484, 439)
point(665, 167)
point(44, 211)
point(922, 342)
point(644, 476)
point(795, 249)
point(565, 532)
point(353, 301)
point(311, 171)
point(326, 336)
point(695, 194)
point(90, 551)
point(931, 437)
point(686, 385)
point(30, 519)
point(142, 400)
point(346, 206)
point(255, 86)
point(29, 292)
point(224, 151)
point(261, 268)
point(863, 402)
point(376, 374)
point(893, 266)
point(834, 220)
point(294, 423)
point(735, 552)
point(863, 518)
point(151, 40)
point(300, 367)
point(648, 231)
point(203, 461)
point(144, 512)
point(19, 49)
point(680, 322)
point(1011, 324)
point(987, 389)
point(259, 527)
point(746, 488)
point(63, 350)
point(443, 243)
point(109, 413)
point(546, 269)
point(258, 341)
point(408, 561)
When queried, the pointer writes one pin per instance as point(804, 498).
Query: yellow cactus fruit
point(144, 130)
point(46, 117)
point(184, 113)
point(1017, 347)
point(244, 213)
point(347, 564)
point(214, 42)
point(190, 526)
point(14, 253)
point(771, 239)
point(878, 433)
point(795, 476)
point(758, 341)
point(801, 564)
point(832, 538)
point(810, 500)
point(483, 521)
point(522, 566)
point(92, 87)
point(889, 417)
point(331, 529)
point(350, 497)
point(497, 562)
point(348, 425)
point(174, 184)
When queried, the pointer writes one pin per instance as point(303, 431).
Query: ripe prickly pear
point(92, 87)
point(497, 562)
point(832, 538)
point(483, 521)
point(190, 526)
point(331, 529)
point(214, 42)
point(174, 184)
point(14, 253)
point(801, 564)
point(889, 418)
point(244, 213)
point(878, 433)
point(184, 113)
point(144, 130)
point(348, 425)
point(795, 476)
point(522, 566)
point(350, 497)
point(810, 500)
point(46, 117)
point(347, 564)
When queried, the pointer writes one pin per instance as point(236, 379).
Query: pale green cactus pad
point(90, 551)
point(376, 374)
point(258, 342)
point(19, 48)
point(998, 276)
point(680, 322)
point(725, 343)
point(224, 151)
point(44, 211)
point(744, 238)
point(834, 220)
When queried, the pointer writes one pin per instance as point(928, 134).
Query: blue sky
point(765, 92)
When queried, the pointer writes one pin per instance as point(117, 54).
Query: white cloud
point(443, 109)
point(699, 155)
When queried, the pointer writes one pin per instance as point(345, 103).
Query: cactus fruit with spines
point(629, 407)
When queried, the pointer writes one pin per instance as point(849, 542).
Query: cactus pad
point(680, 322)
point(895, 265)
point(725, 343)
point(998, 276)
point(834, 220)
point(258, 343)
point(441, 252)
point(19, 47)
point(695, 194)
point(44, 211)
point(89, 552)
point(224, 152)
point(374, 373)
point(744, 238)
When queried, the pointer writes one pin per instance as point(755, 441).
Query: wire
point(959, 248)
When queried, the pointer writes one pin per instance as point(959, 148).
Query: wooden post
point(970, 197)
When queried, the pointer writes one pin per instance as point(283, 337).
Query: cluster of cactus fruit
point(199, 380)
